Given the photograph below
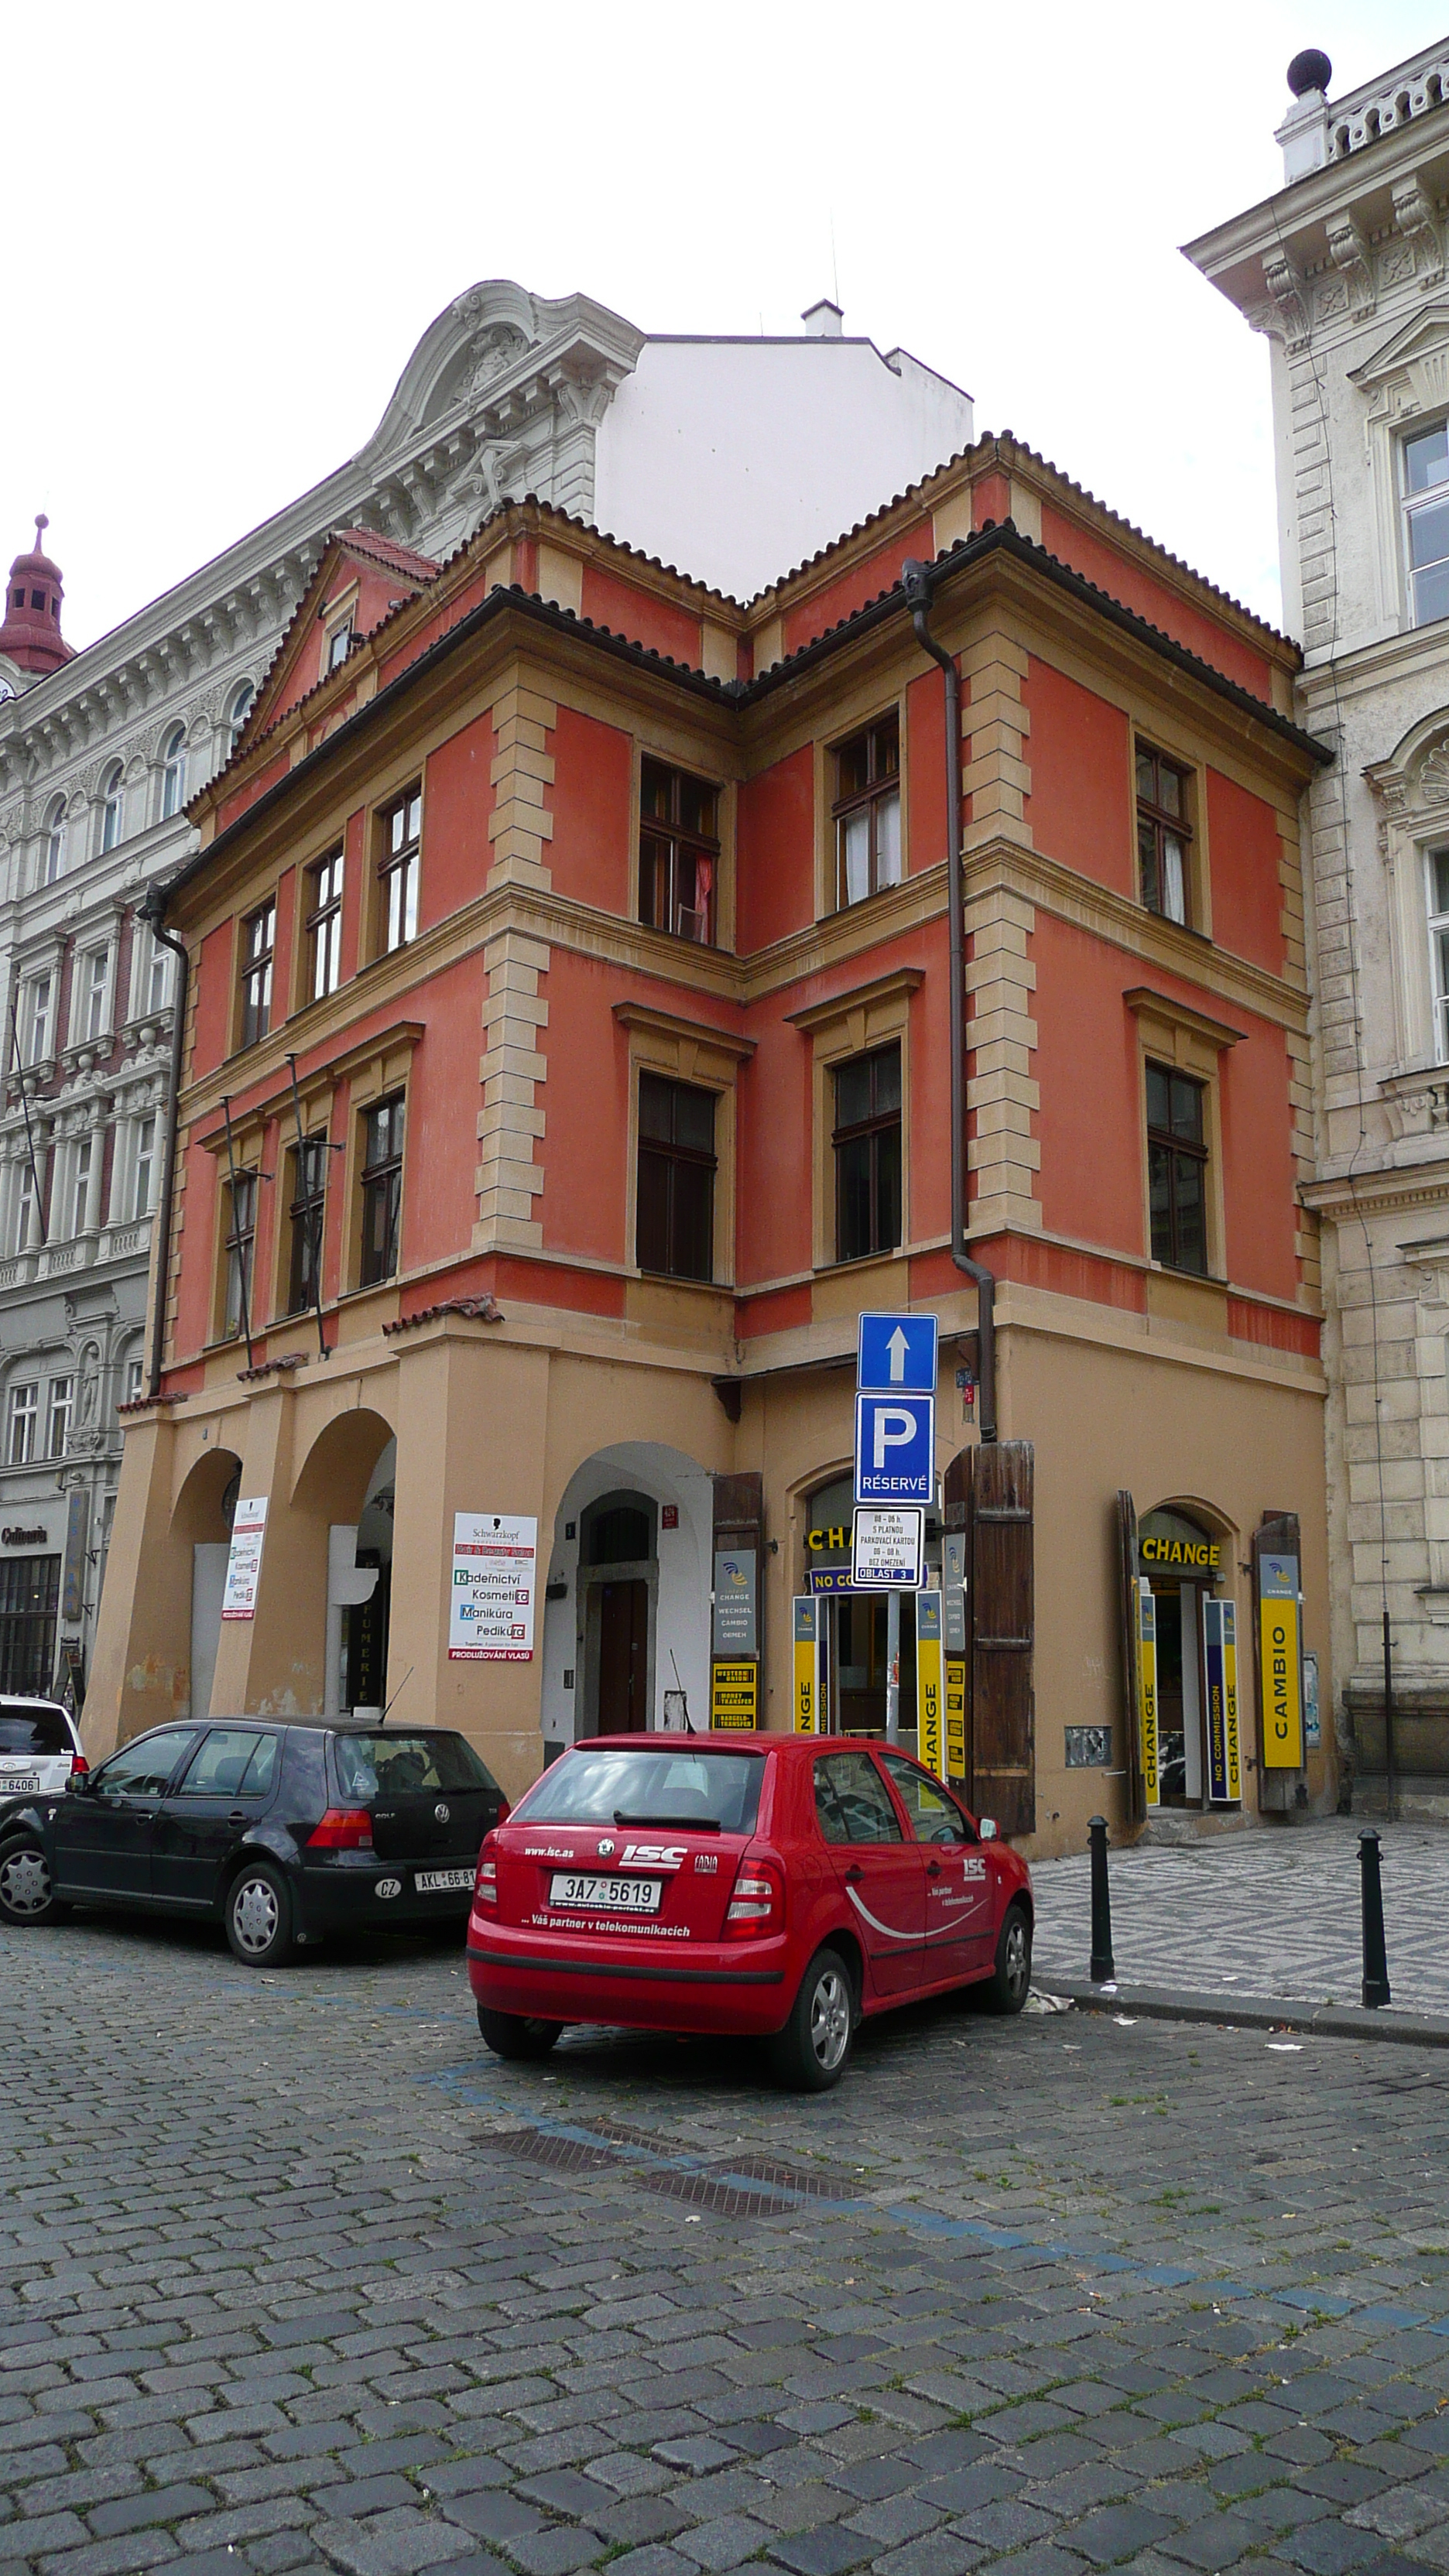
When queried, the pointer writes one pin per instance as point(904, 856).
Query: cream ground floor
point(613, 1444)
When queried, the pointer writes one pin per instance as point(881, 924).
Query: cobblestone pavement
point(1273, 1911)
point(294, 2276)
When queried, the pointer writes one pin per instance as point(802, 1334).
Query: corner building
point(601, 924)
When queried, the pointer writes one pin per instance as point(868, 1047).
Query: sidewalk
point(1271, 1915)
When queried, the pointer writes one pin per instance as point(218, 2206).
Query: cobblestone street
point(295, 2276)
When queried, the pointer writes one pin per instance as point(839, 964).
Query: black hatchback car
point(283, 1833)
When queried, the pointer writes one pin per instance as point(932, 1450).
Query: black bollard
point(1103, 1969)
point(1375, 1956)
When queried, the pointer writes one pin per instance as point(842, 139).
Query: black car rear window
point(33, 1730)
point(658, 1783)
point(391, 1766)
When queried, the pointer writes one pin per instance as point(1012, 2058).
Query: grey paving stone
point(727, 2541)
point(1118, 2531)
point(158, 2505)
point(828, 2551)
point(1330, 2548)
point(389, 2544)
point(1218, 2541)
point(1008, 2524)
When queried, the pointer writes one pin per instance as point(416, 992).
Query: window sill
point(861, 1261)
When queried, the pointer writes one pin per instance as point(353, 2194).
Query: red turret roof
point(30, 633)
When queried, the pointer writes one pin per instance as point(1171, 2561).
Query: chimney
point(1304, 130)
point(823, 321)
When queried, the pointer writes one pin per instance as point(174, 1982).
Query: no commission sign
point(495, 1574)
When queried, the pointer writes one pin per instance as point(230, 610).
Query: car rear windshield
point(655, 1785)
point(33, 1730)
point(391, 1766)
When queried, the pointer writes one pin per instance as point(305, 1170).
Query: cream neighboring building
point(1344, 270)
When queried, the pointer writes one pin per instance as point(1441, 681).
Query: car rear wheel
point(27, 1890)
point(1007, 1988)
point(511, 2035)
point(259, 1915)
point(813, 2050)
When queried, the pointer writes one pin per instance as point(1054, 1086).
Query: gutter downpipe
point(153, 913)
point(916, 583)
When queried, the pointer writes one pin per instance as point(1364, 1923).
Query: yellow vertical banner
point(1147, 1689)
point(1230, 1700)
point(930, 1725)
point(807, 1663)
point(956, 1718)
point(1280, 1650)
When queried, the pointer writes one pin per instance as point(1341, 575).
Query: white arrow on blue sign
point(897, 1353)
point(895, 1443)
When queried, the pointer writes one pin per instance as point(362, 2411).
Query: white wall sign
point(495, 1569)
point(244, 1563)
point(887, 1546)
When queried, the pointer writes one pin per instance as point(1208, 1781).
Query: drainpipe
point(153, 913)
point(916, 582)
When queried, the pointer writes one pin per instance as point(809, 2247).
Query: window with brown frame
point(674, 1228)
point(324, 926)
point(259, 939)
point(1177, 1160)
point(240, 1250)
point(678, 852)
point(1163, 838)
point(867, 1146)
point(307, 1213)
point(402, 826)
point(867, 812)
point(382, 1153)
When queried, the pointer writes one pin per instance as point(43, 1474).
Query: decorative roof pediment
point(1422, 342)
point(495, 354)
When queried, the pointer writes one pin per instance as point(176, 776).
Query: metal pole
point(893, 1668)
point(1103, 1968)
point(1390, 1771)
point(1371, 1893)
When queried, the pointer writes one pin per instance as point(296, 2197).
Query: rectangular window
point(678, 852)
point(145, 1168)
point(674, 1229)
point(381, 1190)
point(339, 645)
point(24, 1403)
point(324, 926)
point(867, 812)
point(93, 993)
point(1163, 838)
point(80, 1186)
point(240, 1250)
point(402, 827)
point(150, 976)
point(867, 1144)
point(135, 1371)
point(58, 1430)
point(29, 1601)
point(259, 939)
point(40, 992)
point(25, 1209)
point(1426, 522)
point(308, 1210)
point(1177, 1169)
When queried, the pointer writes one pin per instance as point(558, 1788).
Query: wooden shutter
point(1003, 1750)
point(1131, 1676)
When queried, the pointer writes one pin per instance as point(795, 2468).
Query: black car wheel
point(259, 1915)
point(1007, 1988)
point(27, 1890)
point(510, 2035)
point(813, 2050)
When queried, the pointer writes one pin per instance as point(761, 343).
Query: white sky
point(226, 229)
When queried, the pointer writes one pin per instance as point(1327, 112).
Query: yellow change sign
point(734, 1696)
point(1280, 1655)
point(1147, 1690)
point(930, 1717)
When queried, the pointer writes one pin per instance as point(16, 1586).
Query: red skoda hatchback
point(778, 1889)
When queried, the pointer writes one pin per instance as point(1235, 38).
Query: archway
point(1185, 1559)
point(626, 1600)
point(346, 1487)
point(201, 1524)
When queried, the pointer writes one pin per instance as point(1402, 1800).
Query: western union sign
point(1147, 1690)
point(956, 1718)
point(734, 1696)
point(1280, 1652)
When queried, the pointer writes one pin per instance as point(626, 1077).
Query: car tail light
point(342, 1829)
point(503, 1810)
point(757, 1899)
point(485, 1885)
point(78, 1763)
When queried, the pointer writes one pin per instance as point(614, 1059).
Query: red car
point(777, 1889)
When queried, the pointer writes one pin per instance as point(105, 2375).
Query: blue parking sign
point(896, 1354)
point(895, 1443)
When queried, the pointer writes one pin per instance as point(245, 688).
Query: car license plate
point(18, 1784)
point(435, 1882)
point(608, 1895)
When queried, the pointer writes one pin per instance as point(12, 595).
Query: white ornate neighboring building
point(727, 457)
point(1346, 269)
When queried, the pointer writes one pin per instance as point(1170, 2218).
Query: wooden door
point(623, 1658)
point(1003, 1744)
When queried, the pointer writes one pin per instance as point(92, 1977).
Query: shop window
point(29, 1601)
point(1426, 522)
point(674, 1233)
point(1163, 837)
point(240, 1253)
point(402, 828)
point(678, 852)
point(24, 1409)
point(307, 1215)
point(381, 1190)
point(324, 926)
point(259, 939)
point(867, 812)
point(1177, 1169)
point(867, 1148)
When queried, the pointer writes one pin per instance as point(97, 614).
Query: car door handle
point(238, 1816)
point(854, 1874)
point(934, 1870)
